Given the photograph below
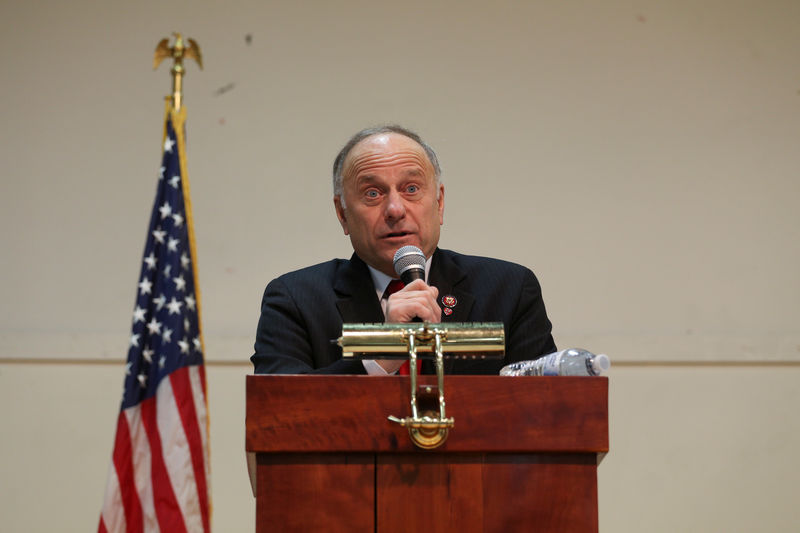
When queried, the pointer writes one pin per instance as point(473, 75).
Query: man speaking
point(388, 193)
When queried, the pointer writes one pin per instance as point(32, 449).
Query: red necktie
point(394, 286)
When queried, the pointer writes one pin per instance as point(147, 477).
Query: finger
point(416, 285)
point(407, 309)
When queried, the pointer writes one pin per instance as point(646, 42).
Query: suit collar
point(356, 298)
point(447, 276)
point(358, 303)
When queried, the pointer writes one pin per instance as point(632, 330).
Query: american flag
point(159, 474)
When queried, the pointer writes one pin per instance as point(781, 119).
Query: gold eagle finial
point(177, 52)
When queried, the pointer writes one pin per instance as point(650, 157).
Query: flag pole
point(159, 476)
point(174, 109)
point(176, 112)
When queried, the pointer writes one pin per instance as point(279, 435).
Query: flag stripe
point(125, 476)
point(177, 454)
point(182, 388)
point(197, 375)
point(113, 508)
point(166, 509)
point(142, 461)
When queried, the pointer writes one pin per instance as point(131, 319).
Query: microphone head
point(409, 263)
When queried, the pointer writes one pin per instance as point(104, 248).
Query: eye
point(412, 189)
point(371, 194)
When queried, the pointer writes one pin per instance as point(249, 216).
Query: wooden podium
point(522, 456)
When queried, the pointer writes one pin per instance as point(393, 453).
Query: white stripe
point(177, 456)
point(141, 468)
point(202, 421)
point(113, 514)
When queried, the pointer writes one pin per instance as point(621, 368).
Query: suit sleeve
point(290, 342)
point(516, 296)
point(529, 333)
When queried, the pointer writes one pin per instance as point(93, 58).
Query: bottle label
point(551, 363)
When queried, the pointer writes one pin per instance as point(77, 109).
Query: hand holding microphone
point(417, 300)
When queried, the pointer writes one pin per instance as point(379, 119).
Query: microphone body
point(409, 264)
point(412, 274)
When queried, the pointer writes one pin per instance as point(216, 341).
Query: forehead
point(385, 150)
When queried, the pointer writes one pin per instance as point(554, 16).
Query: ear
point(440, 201)
point(340, 214)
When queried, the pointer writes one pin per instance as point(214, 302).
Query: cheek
point(363, 222)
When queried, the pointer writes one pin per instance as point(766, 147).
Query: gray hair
point(338, 163)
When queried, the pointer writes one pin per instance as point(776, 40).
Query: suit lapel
point(356, 298)
point(447, 277)
point(358, 303)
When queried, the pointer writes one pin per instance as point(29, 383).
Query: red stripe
point(168, 512)
point(123, 463)
point(102, 527)
point(182, 391)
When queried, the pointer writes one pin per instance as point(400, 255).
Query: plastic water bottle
point(569, 362)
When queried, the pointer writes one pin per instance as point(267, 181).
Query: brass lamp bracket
point(391, 341)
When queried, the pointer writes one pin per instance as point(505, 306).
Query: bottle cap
point(600, 363)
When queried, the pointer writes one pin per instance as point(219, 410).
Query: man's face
point(392, 199)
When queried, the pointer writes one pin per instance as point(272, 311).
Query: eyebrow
point(368, 178)
point(372, 178)
point(414, 172)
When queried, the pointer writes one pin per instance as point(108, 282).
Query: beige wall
point(641, 157)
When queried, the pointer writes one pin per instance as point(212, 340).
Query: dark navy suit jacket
point(302, 311)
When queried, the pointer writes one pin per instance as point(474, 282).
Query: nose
point(395, 206)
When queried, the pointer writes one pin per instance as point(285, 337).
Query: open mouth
point(396, 234)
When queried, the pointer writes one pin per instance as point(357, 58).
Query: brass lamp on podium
point(461, 340)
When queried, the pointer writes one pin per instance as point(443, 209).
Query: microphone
point(409, 263)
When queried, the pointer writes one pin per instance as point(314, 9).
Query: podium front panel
point(522, 456)
point(469, 493)
point(315, 492)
